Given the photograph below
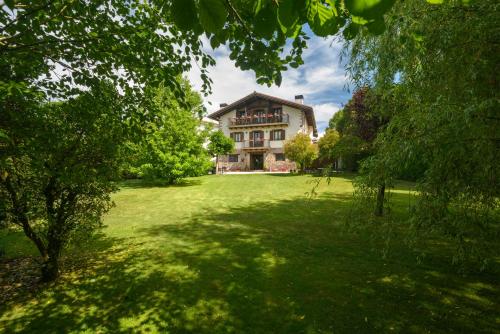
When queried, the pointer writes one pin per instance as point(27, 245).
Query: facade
point(260, 124)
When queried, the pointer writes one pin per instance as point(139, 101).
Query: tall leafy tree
point(357, 125)
point(171, 147)
point(301, 150)
point(57, 169)
point(326, 146)
point(219, 144)
point(445, 61)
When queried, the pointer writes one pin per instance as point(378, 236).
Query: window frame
point(232, 135)
point(273, 134)
point(280, 154)
point(229, 156)
point(241, 113)
point(277, 111)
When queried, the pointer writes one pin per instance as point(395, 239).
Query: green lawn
point(250, 254)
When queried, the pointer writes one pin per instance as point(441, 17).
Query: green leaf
point(257, 6)
point(435, 2)
point(294, 31)
point(10, 4)
point(214, 42)
point(368, 9)
point(184, 14)
point(351, 31)
point(376, 27)
point(265, 22)
point(287, 13)
point(213, 15)
point(418, 37)
point(359, 20)
point(3, 135)
point(322, 20)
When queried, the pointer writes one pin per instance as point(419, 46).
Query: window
point(233, 157)
point(277, 111)
point(237, 136)
point(260, 116)
point(278, 135)
point(279, 156)
point(257, 139)
point(240, 113)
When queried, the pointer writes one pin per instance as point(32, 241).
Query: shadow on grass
point(271, 267)
point(157, 183)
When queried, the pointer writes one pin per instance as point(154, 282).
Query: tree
point(358, 124)
point(56, 44)
point(444, 59)
point(219, 144)
point(58, 166)
point(326, 146)
point(301, 150)
point(171, 147)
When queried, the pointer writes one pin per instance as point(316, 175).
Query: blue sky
point(322, 80)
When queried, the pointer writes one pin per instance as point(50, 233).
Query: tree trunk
point(216, 164)
point(379, 208)
point(28, 231)
point(50, 267)
point(19, 208)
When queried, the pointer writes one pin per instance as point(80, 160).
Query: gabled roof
point(308, 110)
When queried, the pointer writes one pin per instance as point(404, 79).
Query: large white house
point(260, 124)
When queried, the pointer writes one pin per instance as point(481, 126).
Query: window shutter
point(282, 134)
point(271, 137)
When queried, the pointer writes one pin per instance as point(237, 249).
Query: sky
point(321, 79)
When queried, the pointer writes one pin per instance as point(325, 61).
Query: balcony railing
point(259, 143)
point(258, 119)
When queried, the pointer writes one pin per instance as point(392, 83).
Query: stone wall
point(271, 165)
point(232, 166)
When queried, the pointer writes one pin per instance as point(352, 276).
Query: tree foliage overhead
point(62, 46)
point(445, 62)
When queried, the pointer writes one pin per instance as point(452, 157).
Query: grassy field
point(250, 254)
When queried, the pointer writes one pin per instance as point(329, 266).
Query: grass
point(250, 254)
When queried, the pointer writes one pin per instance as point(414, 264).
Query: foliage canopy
point(301, 150)
point(444, 60)
point(58, 168)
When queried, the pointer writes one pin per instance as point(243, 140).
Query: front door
point(257, 161)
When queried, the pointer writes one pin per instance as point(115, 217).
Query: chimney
point(299, 99)
point(222, 105)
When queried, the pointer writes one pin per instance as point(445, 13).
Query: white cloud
point(323, 112)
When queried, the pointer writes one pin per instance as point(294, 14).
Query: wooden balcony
point(261, 144)
point(256, 120)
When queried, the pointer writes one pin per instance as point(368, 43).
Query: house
point(260, 124)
